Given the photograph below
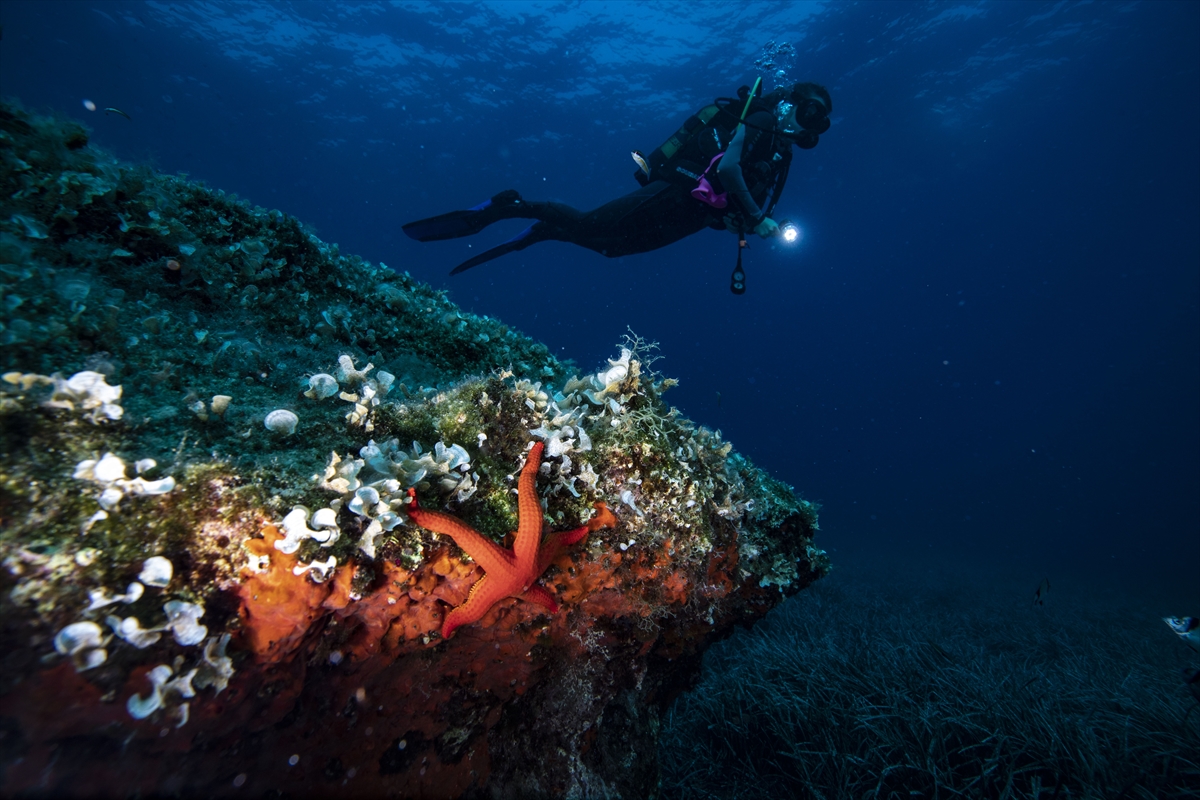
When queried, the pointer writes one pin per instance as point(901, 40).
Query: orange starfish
point(508, 573)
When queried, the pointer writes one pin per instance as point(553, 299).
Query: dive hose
point(737, 279)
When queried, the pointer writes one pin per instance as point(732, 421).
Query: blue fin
point(518, 242)
point(445, 226)
point(465, 223)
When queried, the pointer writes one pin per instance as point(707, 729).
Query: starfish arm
point(484, 594)
point(529, 509)
point(509, 573)
point(572, 536)
point(536, 594)
point(489, 555)
point(557, 542)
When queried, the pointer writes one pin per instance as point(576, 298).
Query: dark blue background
point(984, 349)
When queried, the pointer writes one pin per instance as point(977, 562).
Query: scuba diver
point(722, 169)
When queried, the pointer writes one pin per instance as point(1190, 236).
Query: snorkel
point(749, 99)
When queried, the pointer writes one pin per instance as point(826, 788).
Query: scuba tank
point(683, 158)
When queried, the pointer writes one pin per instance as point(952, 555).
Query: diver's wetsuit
point(654, 216)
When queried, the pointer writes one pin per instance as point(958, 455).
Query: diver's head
point(813, 106)
point(803, 114)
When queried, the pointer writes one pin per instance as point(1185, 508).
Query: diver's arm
point(730, 172)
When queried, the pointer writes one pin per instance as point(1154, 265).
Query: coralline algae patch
point(210, 582)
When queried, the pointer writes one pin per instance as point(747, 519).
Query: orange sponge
point(277, 607)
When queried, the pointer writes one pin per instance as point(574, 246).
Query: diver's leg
point(654, 216)
point(506, 205)
point(651, 217)
point(555, 222)
point(559, 217)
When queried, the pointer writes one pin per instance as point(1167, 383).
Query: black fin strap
point(737, 280)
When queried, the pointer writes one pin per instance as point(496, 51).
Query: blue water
point(984, 349)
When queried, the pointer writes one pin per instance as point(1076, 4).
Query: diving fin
point(465, 223)
point(518, 242)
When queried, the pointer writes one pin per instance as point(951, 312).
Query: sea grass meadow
point(904, 505)
point(933, 685)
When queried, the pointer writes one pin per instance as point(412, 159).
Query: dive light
point(789, 232)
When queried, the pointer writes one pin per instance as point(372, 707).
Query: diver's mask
point(803, 123)
point(812, 114)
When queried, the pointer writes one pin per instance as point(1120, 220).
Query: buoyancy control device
point(685, 155)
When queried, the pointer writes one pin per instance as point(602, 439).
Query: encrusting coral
point(210, 592)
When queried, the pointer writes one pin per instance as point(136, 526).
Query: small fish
point(1043, 589)
point(641, 161)
point(118, 111)
point(1188, 629)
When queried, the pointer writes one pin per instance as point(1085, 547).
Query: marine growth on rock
point(183, 577)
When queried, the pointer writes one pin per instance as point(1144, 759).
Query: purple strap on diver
point(704, 191)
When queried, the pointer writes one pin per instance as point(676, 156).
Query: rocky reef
point(211, 422)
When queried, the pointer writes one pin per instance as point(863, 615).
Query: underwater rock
point(319, 666)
